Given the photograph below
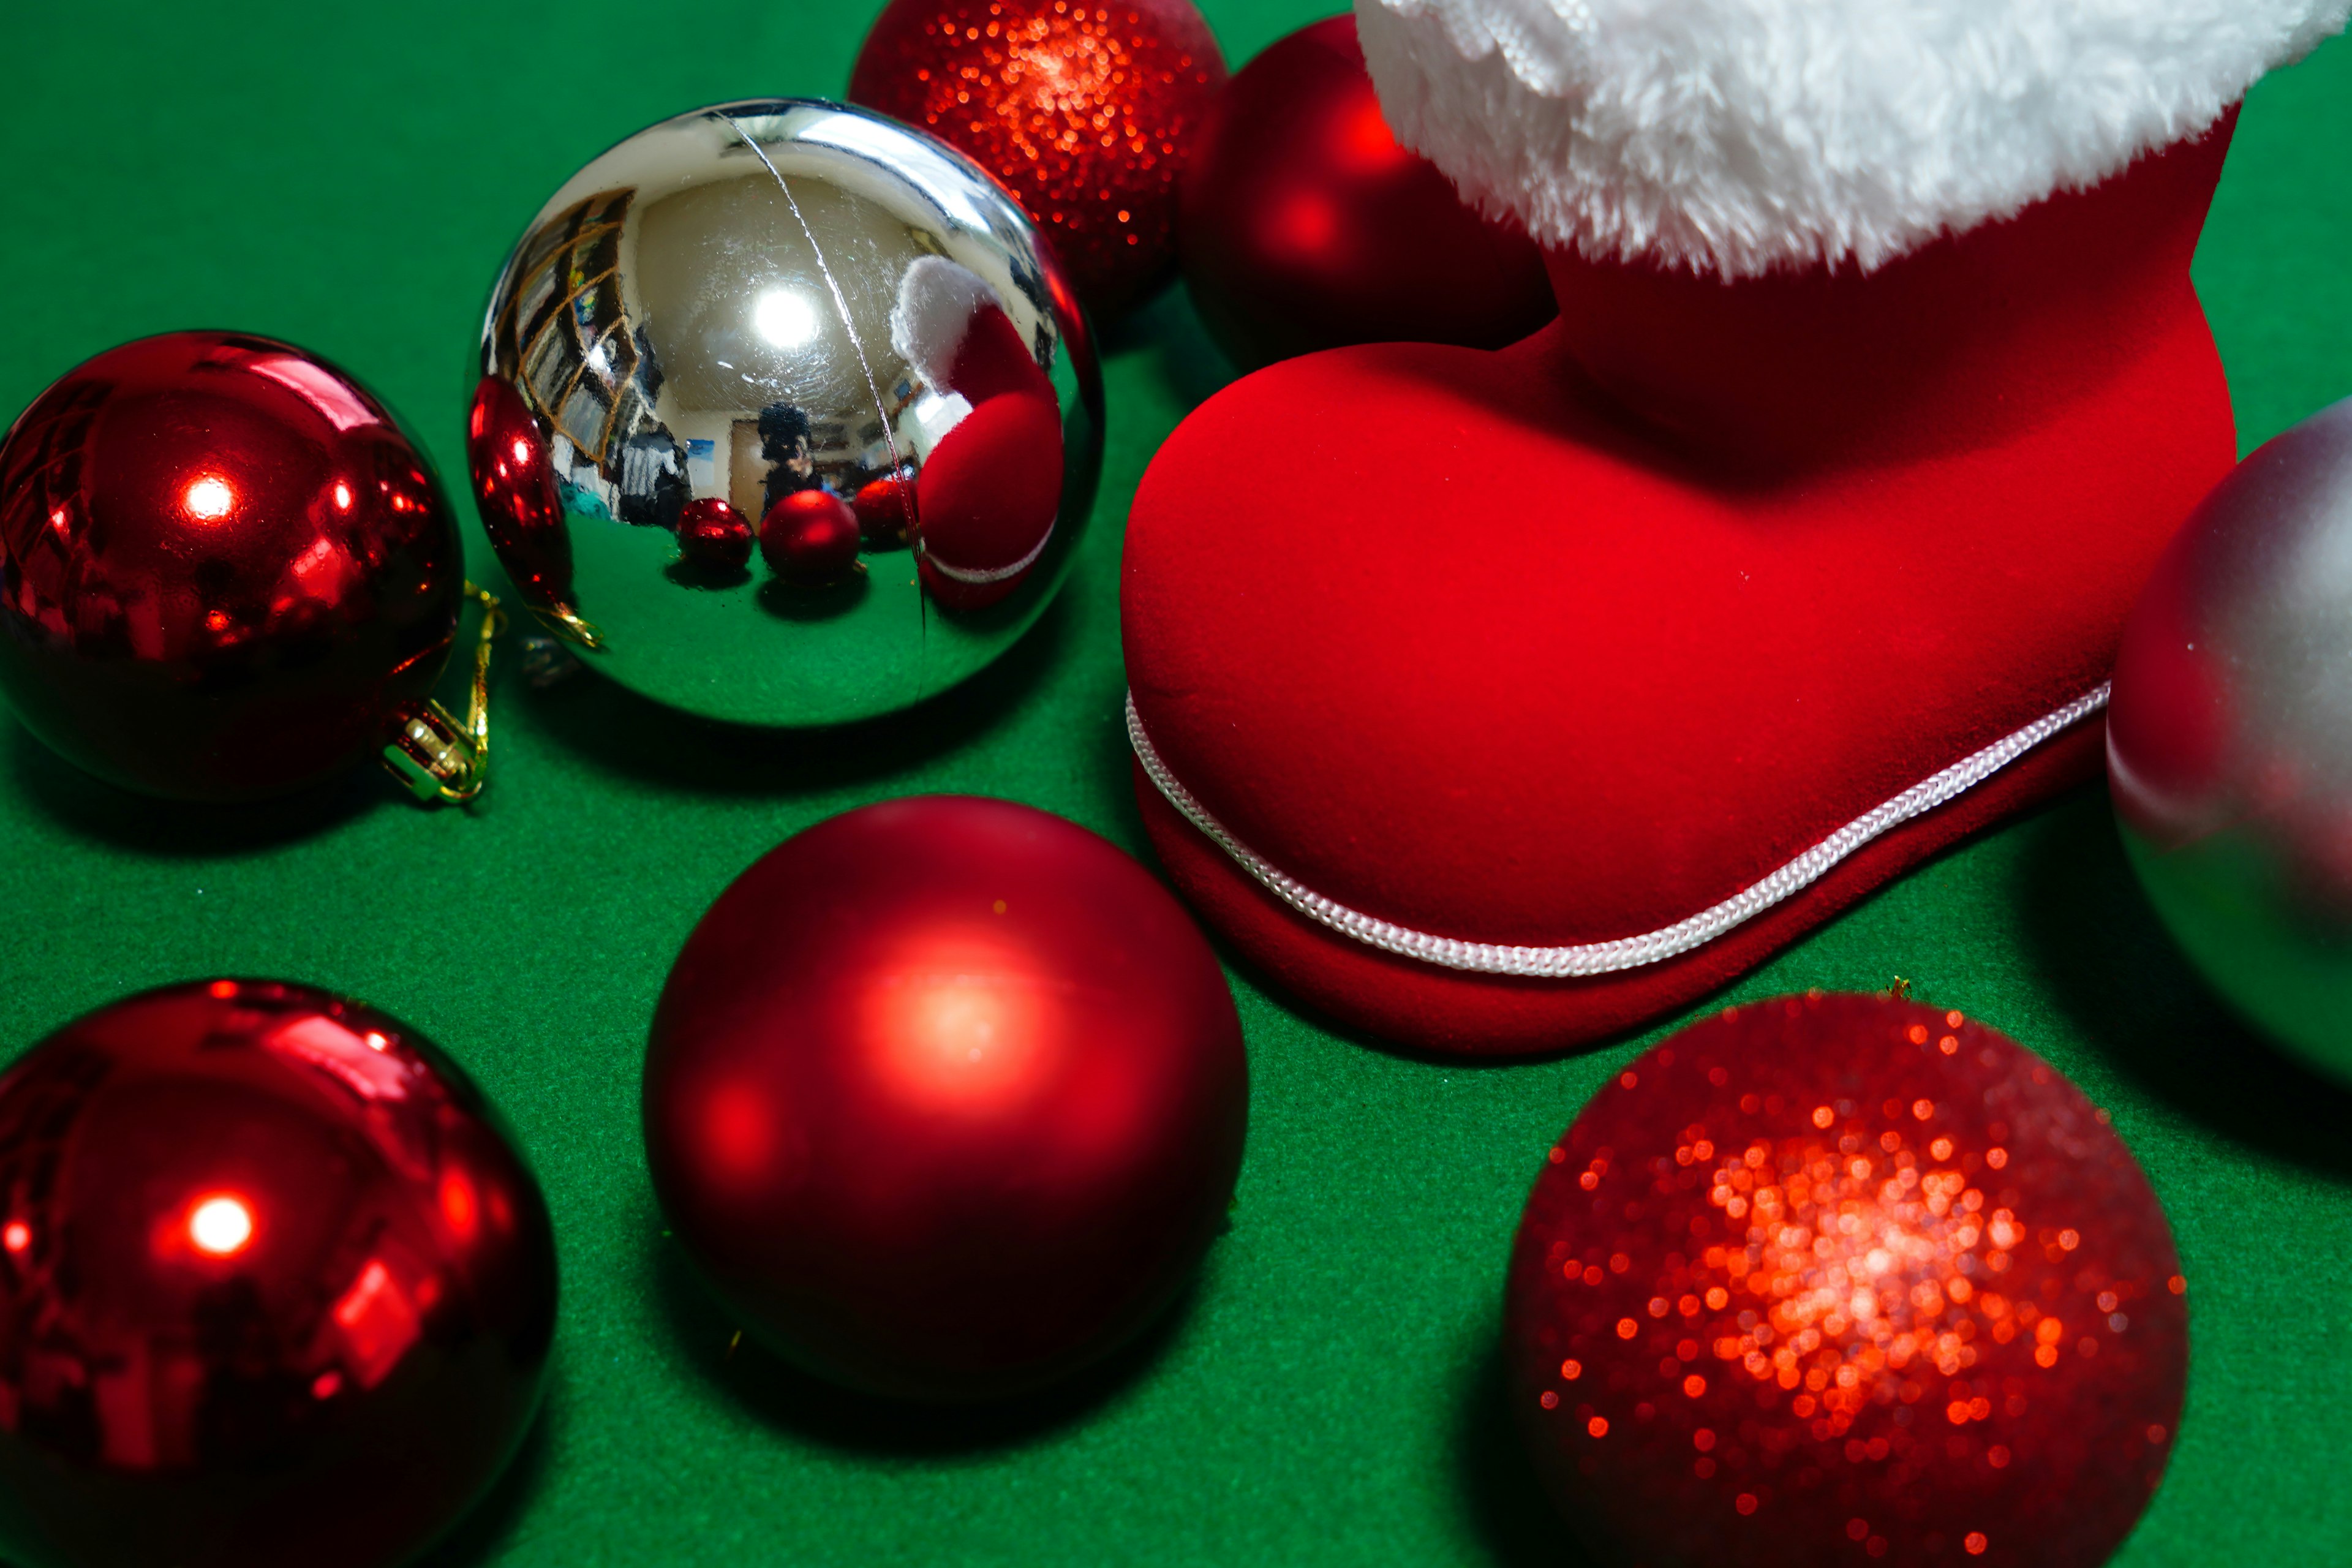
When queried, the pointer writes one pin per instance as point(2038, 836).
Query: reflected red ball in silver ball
point(1844, 1279)
point(810, 536)
point(713, 536)
point(225, 572)
point(945, 1098)
point(275, 1286)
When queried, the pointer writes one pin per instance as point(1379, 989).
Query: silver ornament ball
point(2230, 739)
point(786, 418)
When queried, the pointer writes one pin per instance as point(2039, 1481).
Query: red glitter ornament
point(808, 536)
point(713, 536)
point(227, 571)
point(1305, 226)
point(1833, 1278)
point(1085, 112)
point(945, 1098)
point(275, 1286)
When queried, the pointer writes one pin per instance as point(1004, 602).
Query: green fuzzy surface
point(349, 179)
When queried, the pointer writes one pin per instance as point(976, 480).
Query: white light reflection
point(785, 318)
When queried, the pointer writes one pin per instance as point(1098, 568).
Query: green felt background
point(349, 178)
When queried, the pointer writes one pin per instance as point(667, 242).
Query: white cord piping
point(1626, 952)
point(993, 573)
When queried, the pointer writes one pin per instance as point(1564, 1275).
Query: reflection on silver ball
point(2229, 738)
point(770, 319)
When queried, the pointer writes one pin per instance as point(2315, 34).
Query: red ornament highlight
point(1086, 114)
point(945, 1098)
point(228, 572)
point(809, 537)
point(1304, 225)
point(258, 1239)
point(1838, 1278)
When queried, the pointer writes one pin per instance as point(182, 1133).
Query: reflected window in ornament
point(378, 1320)
point(362, 1066)
point(318, 387)
point(785, 318)
point(221, 1225)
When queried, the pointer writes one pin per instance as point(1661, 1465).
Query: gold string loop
point(442, 760)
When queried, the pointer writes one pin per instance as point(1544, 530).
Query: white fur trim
point(1586, 959)
point(1738, 136)
point(937, 301)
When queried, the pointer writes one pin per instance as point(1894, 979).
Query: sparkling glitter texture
point(1842, 1279)
point(1084, 112)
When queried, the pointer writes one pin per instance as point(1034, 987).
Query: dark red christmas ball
point(225, 572)
point(886, 515)
point(713, 535)
point(945, 1098)
point(514, 491)
point(808, 536)
point(1085, 112)
point(1304, 225)
point(275, 1286)
point(1833, 1278)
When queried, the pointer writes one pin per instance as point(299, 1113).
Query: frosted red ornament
point(809, 537)
point(945, 1098)
point(1839, 1278)
point(1085, 112)
point(1303, 224)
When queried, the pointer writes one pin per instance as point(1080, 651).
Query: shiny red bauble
point(713, 536)
point(514, 491)
point(1842, 1279)
point(275, 1286)
point(1085, 112)
point(945, 1098)
point(808, 536)
point(224, 570)
point(1304, 225)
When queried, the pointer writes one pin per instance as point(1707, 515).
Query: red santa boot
point(1494, 702)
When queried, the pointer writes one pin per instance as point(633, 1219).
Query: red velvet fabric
point(1569, 642)
point(987, 496)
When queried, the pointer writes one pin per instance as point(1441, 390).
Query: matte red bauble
point(1836, 1278)
point(887, 518)
point(224, 570)
point(1086, 114)
point(1303, 225)
point(945, 1098)
point(275, 1286)
point(808, 536)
